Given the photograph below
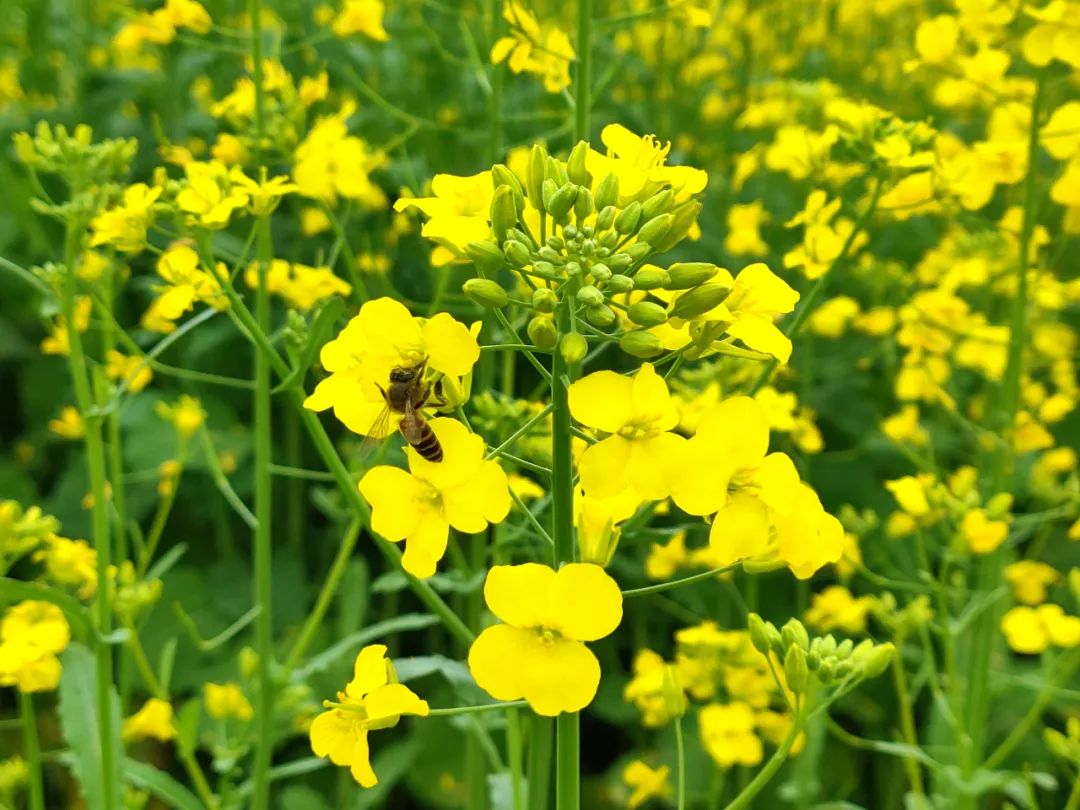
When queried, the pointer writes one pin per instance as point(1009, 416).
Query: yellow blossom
point(835, 608)
point(1032, 630)
point(1030, 579)
point(646, 783)
point(224, 700)
point(543, 51)
point(153, 721)
point(640, 164)
point(300, 285)
point(31, 635)
point(69, 425)
point(727, 732)
point(124, 226)
point(983, 535)
point(459, 213)
point(131, 373)
point(361, 17)
point(70, 562)
point(186, 415)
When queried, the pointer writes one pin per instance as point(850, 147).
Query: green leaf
point(163, 786)
point(450, 582)
point(351, 644)
point(317, 336)
point(79, 721)
point(298, 767)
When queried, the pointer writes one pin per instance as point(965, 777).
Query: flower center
point(548, 635)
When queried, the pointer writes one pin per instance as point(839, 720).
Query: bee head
point(401, 374)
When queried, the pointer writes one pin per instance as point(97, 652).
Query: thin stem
point(907, 727)
point(33, 750)
point(454, 711)
point(676, 583)
point(520, 432)
point(680, 752)
point(776, 761)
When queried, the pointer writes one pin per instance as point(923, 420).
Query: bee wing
point(377, 432)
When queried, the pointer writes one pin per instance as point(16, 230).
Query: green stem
point(514, 754)
point(776, 761)
point(95, 462)
point(583, 73)
point(262, 548)
point(907, 727)
point(33, 750)
point(326, 595)
point(540, 762)
point(677, 583)
point(1074, 797)
point(680, 752)
point(455, 711)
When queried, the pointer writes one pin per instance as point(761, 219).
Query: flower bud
point(24, 149)
point(548, 189)
point(548, 254)
point(646, 313)
point(502, 176)
point(685, 275)
point(619, 262)
point(607, 192)
point(556, 170)
point(793, 632)
point(759, 635)
point(627, 220)
point(672, 692)
point(651, 277)
point(601, 315)
point(542, 332)
point(554, 243)
point(562, 201)
point(844, 649)
point(504, 212)
point(795, 670)
point(641, 344)
point(573, 347)
point(486, 293)
point(608, 240)
point(572, 269)
point(600, 271)
point(655, 229)
point(684, 218)
point(544, 300)
point(700, 300)
point(658, 203)
point(517, 253)
point(544, 270)
point(620, 284)
point(583, 205)
point(519, 235)
point(534, 180)
point(575, 165)
point(486, 256)
point(827, 673)
point(638, 251)
point(590, 296)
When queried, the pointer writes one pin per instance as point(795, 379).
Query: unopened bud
point(641, 344)
point(651, 277)
point(573, 347)
point(486, 293)
point(759, 635)
point(700, 300)
point(502, 176)
point(486, 256)
point(672, 691)
point(844, 649)
point(684, 218)
point(534, 180)
point(542, 332)
point(620, 284)
point(549, 188)
point(655, 229)
point(638, 251)
point(600, 271)
point(646, 313)
point(544, 300)
point(562, 201)
point(544, 270)
point(575, 165)
point(590, 296)
point(556, 170)
point(572, 269)
point(658, 203)
point(685, 275)
point(793, 632)
point(795, 670)
point(619, 262)
point(607, 192)
point(627, 220)
point(517, 253)
point(601, 315)
point(504, 212)
point(583, 205)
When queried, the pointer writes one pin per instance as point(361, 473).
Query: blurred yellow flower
point(153, 721)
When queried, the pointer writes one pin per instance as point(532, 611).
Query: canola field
point(529, 405)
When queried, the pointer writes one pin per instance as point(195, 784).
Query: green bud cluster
point(820, 663)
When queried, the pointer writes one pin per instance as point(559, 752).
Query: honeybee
point(407, 395)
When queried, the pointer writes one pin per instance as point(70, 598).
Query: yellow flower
point(598, 523)
point(132, 373)
point(265, 194)
point(727, 732)
point(639, 164)
point(646, 783)
point(186, 415)
point(1055, 35)
point(1030, 631)
point(224, 700)
point(836, 608)
point(301, 286)
point(744, 230)
point(983, 535)
point(69, 425)
point(463, 490)
point(124, 226)
point(372, 700)
point(831, 319)
point(910, 492)
point(545, 52)
point(31, 634)
point(381, 337)
point(903, 426)
point(185, 283)
point(638, 412)
point(70, 562)
point(361, 17)
point(525, 488)
point(459, 213)
point(667, 558)
point(188, 14)
point(154, 720)
point(935, 39)
point(211, 194)
point(539, 653)
point(655, 690)
point(57, 340)
point(1029, 580)
point(330, 163)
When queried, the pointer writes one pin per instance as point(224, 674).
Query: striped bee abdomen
point(426, 442)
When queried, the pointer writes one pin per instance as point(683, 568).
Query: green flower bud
point(627, 220)
point(549, 255)
point(556, 170)
point(684, 218)
point(562, 201)
point(759, 634)
point(572, 269)
point(700, 300)
point(570, 232)
point(583, 205)
point(658, 203)
point(637, 251)
point(685, 275)
point(504, 212)
point(600, 271)
point(534, 181)
point(600, 315)
point(590, 296)
point(795, 670)
point(544, 300)
point(650, 278)
point(606, 218)
point(608, 240)
point(641, 344)
point(542, 332)
point(575, 166)
point(655, 229)
point(672, 692)
point(620, 284)
point(793, 632)
point(486, 293)
point(554, 243)
point(486, 256)
point(844, 649)
point(549, 188)
point(646, 313)
point(827, 673)
point(619, 262)
point(607, 192)
point(517, 253)
point(502, 176)
point(519, 235)
point(544, 269)
point(573, 347)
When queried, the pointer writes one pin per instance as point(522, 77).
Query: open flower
point(647, 783)
point(372, 700)
point(124, 225)
point(639, 163)
point(1032, 630)
point(384, 335)
point(727, 732)
point(459, 213)
point(463, 490)
point(31, 635)
point(153, 721)
point(539, 653)
point(544, 51)
point(638, 412)
point(211, 193)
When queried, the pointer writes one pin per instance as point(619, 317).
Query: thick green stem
point(583, 74)
point(540, 734)
point(680, 753)
point(95, 462)
point(33, 751)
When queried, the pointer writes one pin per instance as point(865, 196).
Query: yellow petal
point(333, 734)
point(652, 464)
point(778, 481)
point(602, 400)
point(425, 545)
point(700, 479)
point(397, 501)
point(586, 603)
point(738, 431)
point(450, 346)
point(603, 467)
point(390, 702)
point(361, 762)
point(369, 671)
point(463, 452)
point(740, 530)
point(759, 333)
point(652, 402)
point(520, 594)
point(470, 505)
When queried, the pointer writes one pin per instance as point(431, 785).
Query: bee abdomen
point(428, 444)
